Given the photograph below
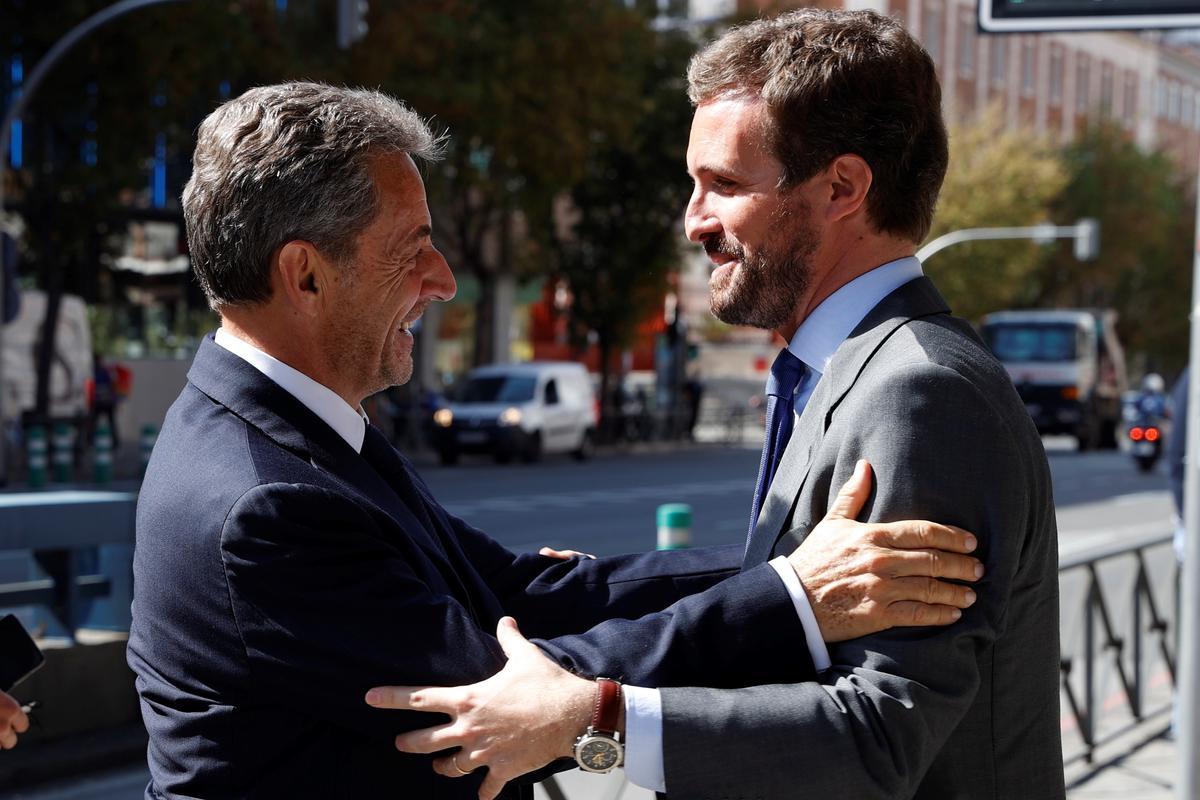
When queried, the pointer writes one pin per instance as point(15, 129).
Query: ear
point(301, 276)
point(848, 179)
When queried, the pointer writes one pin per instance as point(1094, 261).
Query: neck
point(296, 348)
point(840, 268)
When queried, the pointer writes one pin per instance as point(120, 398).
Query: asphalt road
point(608, 505)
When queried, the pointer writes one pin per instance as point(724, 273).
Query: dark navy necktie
point(786, 374)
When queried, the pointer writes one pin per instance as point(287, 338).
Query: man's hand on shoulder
point(520, 719)
point(862, 578)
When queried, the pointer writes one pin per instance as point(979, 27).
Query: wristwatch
point(599, 749)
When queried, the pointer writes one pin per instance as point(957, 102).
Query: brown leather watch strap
point(608, 706)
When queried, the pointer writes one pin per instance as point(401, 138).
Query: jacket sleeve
point(328, 605)
point(653, 619)
point(873, 724)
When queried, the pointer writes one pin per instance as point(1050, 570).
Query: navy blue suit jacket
point(279, 575)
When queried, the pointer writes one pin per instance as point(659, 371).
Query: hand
point(12, 721)
point(518, 720)
point(863, 578)
point(564, 555)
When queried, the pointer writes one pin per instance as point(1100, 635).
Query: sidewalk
point(1144, 773)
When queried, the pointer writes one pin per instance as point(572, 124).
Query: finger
point(511, 640)
point(416, 698)
point(928, 591)
point(454, 766)
point(853, 494)
point(19, 721)
point(911, 533)
point(908, 614)
point(933, 564)
point(491, 787)
point(430, 740)
point(552, 553)
point(8, 739)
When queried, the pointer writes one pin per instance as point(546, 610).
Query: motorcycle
point(1146, 444)
point(1146, 433)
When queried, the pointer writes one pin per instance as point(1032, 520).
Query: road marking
point(591, 497)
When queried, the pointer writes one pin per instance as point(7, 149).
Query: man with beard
point(817, 153)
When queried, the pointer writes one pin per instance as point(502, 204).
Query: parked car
point(518, 411)
point(1068, 367)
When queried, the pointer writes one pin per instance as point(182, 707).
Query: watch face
point(598, 754)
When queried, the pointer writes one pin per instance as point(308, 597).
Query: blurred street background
point(558, 207)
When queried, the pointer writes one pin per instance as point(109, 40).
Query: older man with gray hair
point(288, 558)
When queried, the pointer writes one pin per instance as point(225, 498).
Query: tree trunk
point(485, 319)
point(47, 348)
point(609, 411)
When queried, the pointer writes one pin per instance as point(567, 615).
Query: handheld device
point(19, 655)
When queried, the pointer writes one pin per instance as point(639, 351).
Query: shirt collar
point(346, 421)
point(838, 315)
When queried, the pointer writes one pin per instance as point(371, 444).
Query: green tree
point(528, 92)
point(1146, 233)
point(620, 240)
point(996, 178)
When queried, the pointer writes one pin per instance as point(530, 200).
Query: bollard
point(62, 456)
point(674, 526)
point(35, 455)
point(149, 437)
point(102, 456)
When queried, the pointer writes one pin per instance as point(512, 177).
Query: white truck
point(1068, 366)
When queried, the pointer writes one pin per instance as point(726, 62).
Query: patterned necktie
point(786, 374)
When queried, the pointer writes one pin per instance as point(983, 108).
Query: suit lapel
point(915, 299)
point(250, 395)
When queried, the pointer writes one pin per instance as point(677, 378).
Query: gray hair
point(285, 162)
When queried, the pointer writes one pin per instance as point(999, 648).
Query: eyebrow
point(398, 246)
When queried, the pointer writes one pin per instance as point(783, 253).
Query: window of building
point(966, 45)
point(1131, 96)
point(1083, 83)
point(1172, 101)
point(1106, 90)
point(1185, 111)
point(999, 45)
point(1056, 75)
point(1028, 54)
point(1160, 97)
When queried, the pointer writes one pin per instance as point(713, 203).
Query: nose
point(439, 281)
point(698, 220)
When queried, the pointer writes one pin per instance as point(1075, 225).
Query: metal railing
point(58, 530)
point(1128, 650)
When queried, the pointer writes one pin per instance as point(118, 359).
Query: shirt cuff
point(643, 738)
point(812, 631)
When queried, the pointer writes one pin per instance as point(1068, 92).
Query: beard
point(764, 290)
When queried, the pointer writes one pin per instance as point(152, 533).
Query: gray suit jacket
point(966, 711)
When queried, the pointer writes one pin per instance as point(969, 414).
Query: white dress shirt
point(814, 343)
point(348, 422)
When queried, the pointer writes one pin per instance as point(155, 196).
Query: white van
point(518, 411)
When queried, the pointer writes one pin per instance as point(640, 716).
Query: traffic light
point(352, 22)
point(1087, 239)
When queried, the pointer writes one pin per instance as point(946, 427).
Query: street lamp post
point(15, 111)
point(1085, 232)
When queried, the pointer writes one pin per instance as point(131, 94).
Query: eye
point(722, 184)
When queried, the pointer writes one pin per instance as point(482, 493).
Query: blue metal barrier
point(62, 531)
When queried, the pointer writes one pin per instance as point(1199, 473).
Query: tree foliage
point(996, 178)
point(619, 240)
point(1146, 233)
point(528, 91)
